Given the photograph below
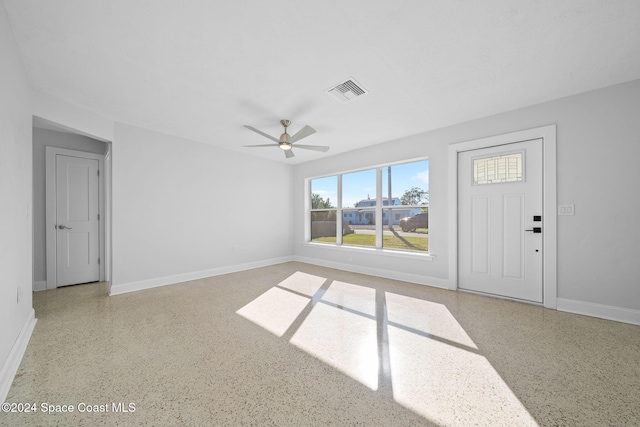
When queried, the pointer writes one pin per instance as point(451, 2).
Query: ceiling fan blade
point(288, 154)
point(322, 148)
point(261, 145)
point(302, 133)
point(262, 133)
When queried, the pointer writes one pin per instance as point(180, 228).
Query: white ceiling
point(202, 69)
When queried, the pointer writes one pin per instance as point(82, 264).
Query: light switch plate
point(566, 209)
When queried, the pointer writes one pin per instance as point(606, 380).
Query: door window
point(498, 169)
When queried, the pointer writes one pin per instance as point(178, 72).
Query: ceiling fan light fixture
point(286, 141)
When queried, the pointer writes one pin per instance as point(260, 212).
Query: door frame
point(50, 222)
point(549, 200)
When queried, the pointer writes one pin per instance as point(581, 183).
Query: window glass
point(324, 192)
point(323, 226)
point(324, 198)
point(359, 203)
point(409, 230)
point(403, 219)
point(498, 169)
point(405, 222)
point(406, 184)
point(359, 227)
point(359, 189)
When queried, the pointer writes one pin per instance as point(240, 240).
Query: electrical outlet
point(566, 210)
point(234, 249)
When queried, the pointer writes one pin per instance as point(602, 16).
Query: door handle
point(536, 229)
point(63, 227)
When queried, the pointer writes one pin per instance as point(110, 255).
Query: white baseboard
point(123, 288)
point(11, 365)
point(40, 286)
point(379, 272)
point(608, 312)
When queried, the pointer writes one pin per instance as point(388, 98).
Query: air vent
point(347, 90)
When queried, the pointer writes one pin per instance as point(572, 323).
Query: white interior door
point(500, 220)
point(77, 224)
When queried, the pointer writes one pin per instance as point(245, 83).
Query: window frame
point(378, 209)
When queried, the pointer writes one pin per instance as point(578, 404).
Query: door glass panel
point(498, 169)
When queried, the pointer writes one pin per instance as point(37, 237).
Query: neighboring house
point(360, 216)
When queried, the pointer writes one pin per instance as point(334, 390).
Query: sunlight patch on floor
point(303, 283)
point(353, 297)
point(343, 339)
point(275, 310)
point(437, 371)
point(426, 317)
point(433, 367)
point(341, 331)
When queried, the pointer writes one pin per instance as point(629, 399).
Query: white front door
point(77, 224)
point(500, 220)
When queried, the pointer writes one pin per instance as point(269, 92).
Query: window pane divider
point(339, 213)
point(379, 229)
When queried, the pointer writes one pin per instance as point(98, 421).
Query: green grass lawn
point(407, 243)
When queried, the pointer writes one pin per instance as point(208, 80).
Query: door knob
point(63, 227)
point(536, 230)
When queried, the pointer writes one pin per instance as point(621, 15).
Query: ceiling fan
point(286, 141)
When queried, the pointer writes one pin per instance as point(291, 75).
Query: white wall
point(15, 201)
point(598, 149)
point(181, 207)
point(70, 116)
point(41, 139)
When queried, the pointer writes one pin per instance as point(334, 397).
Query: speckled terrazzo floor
point(301, 345)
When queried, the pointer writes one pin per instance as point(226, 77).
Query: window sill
point(373, 251)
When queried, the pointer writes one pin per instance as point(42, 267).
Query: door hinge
point(98, 261)
point(98, 172)
point(98, 217)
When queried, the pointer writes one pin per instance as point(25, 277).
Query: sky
point(357, 186)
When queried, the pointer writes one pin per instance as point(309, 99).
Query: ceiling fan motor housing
point(284, 138)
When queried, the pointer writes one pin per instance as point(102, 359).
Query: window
point(359, 207)
point(405, 219)
point(323, 210)
point(385, 207)
point(498, 169)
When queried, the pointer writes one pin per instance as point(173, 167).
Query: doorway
point(490, 247)
point(75, 217)
point(500, 227)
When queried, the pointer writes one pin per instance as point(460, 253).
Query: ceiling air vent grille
point(347, 90)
